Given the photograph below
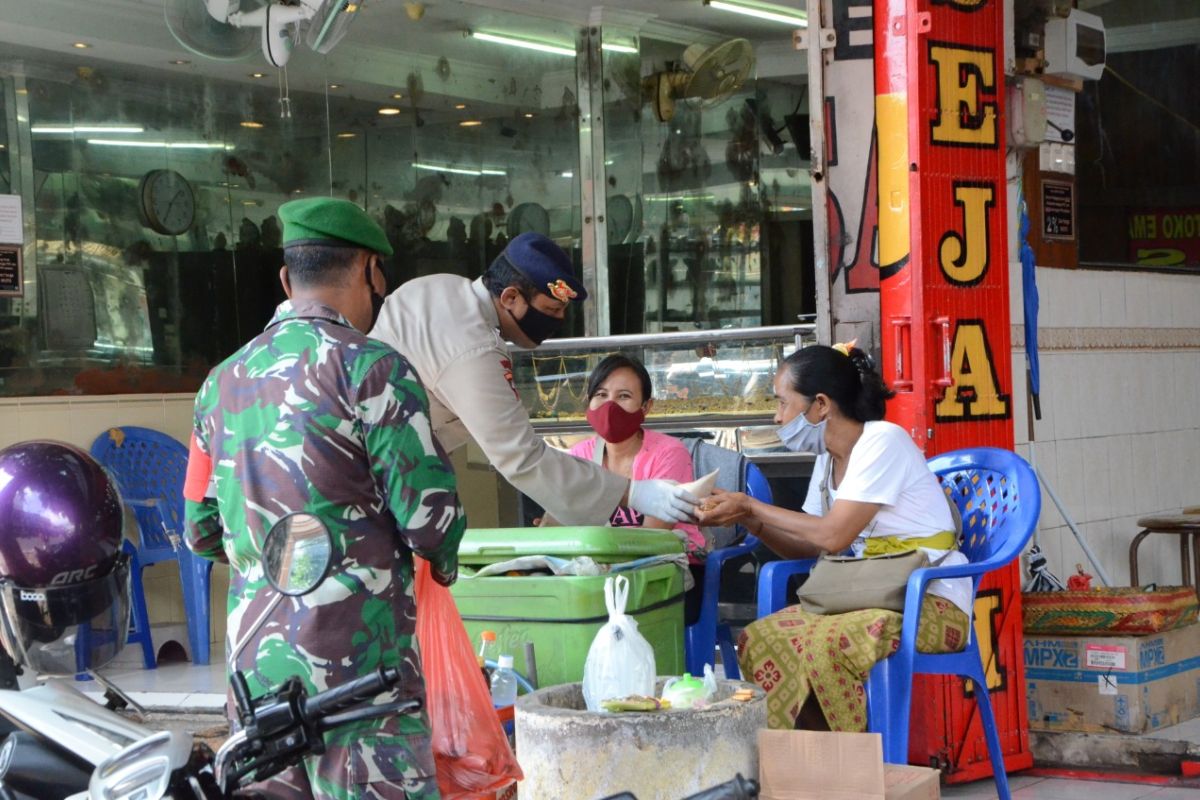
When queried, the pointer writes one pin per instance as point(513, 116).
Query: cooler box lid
point(603, 544)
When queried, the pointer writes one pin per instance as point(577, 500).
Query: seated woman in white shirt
point(872, 492)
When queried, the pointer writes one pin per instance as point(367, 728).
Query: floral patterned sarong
point(792, 654)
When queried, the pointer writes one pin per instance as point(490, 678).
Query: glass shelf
point(708, 377)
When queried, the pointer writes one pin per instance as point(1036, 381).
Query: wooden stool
point(1185, 526)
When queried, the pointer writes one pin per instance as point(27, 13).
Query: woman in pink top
point(619, 397)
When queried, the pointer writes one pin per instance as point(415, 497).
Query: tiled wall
point(79, 420)
point(1120, 431)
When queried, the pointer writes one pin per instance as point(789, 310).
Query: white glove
point(663, 499)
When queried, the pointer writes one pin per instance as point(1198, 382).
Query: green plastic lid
point(603, 544)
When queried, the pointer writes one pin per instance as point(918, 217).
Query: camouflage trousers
point(379, 763)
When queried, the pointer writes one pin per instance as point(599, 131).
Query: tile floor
point(181, 687)
point(1031, 787)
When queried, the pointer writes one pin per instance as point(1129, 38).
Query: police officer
point(312, 416)
point(453, 331)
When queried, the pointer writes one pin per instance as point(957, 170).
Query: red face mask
point(613, 423)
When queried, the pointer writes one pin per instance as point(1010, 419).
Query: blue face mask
point(802, 436)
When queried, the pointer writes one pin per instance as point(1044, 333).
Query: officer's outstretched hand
point(663, 499)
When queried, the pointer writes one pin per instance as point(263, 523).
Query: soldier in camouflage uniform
point(313, 416)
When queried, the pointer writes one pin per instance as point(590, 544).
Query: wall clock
point(167, 203)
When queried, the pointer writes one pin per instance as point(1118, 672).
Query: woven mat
point(1121, 611)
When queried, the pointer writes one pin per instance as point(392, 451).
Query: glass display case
point(701, 378)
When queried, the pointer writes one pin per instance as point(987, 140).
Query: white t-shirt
point(887, 468)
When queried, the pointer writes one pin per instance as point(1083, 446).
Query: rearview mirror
point(297, 553)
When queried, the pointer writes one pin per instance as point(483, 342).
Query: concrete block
point(567, 751)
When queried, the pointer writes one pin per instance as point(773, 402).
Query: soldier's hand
point(663, 499)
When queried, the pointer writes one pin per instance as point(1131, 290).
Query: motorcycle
point(737, 789)
point(61, 744)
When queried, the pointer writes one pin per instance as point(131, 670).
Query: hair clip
point(846, 347)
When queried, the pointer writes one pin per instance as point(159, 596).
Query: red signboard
point(944, 299)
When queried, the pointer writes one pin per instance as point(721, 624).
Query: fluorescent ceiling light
point(618, 48)
point(679, 198)
point(67, 129)
point(168, 145)
point(541, 47)
point(759, 12)
point(459, 170)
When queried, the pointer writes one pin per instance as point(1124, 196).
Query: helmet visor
point(64, 630)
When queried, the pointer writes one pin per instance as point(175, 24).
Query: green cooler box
point(561, 614)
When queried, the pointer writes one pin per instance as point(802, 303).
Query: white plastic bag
point(620, 661)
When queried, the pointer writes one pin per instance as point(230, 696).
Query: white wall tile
point(1058, 376)
point(1045, 458)
point(10, 428)
point(1166, 468)
point(1092, 387)
point(139, 412)
point(1138, 377)
point(177, 413)
point(1137, 302)
point(1069, 485)
point(47, 422)
point(1097, 494)
point(1184, 301)
point(1099, 537)
point(1184, 487)
point(1120, 476)
point(89, 420)
point(1143, 473)
point(1112, 300)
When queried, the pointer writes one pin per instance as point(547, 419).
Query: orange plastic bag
point(470, 747)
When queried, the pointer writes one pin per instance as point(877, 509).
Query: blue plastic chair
point(139, 625)
point(998, 496)
point(149, 468)
point(702, 637)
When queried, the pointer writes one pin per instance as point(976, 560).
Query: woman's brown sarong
point(792, 654)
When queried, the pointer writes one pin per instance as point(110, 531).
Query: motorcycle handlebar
point(348, 694)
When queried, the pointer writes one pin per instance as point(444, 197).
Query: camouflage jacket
point(313, 416)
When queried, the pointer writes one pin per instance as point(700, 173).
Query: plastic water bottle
point(504, 683)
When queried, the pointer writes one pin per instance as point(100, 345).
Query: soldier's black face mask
point(537, 325)
point(376, 298)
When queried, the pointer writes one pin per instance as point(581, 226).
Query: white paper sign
point(12, 226)
point(1106, 656)
point(1108, 684)
point(1060, 112)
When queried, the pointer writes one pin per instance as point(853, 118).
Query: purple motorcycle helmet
point(64, 580)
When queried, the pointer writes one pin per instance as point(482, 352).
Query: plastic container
point(603, 545)
point(560, 615)
point(684, 692)
point(504, 683)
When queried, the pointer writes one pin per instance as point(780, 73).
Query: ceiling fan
point(225, 31)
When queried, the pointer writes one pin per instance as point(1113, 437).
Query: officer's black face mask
point(537, 325)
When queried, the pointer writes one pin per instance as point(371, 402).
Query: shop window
point(1137, 156)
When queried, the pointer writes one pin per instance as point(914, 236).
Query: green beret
point(326, 220)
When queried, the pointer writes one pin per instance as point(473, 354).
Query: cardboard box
point(807, 765)
point(1119, 684)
